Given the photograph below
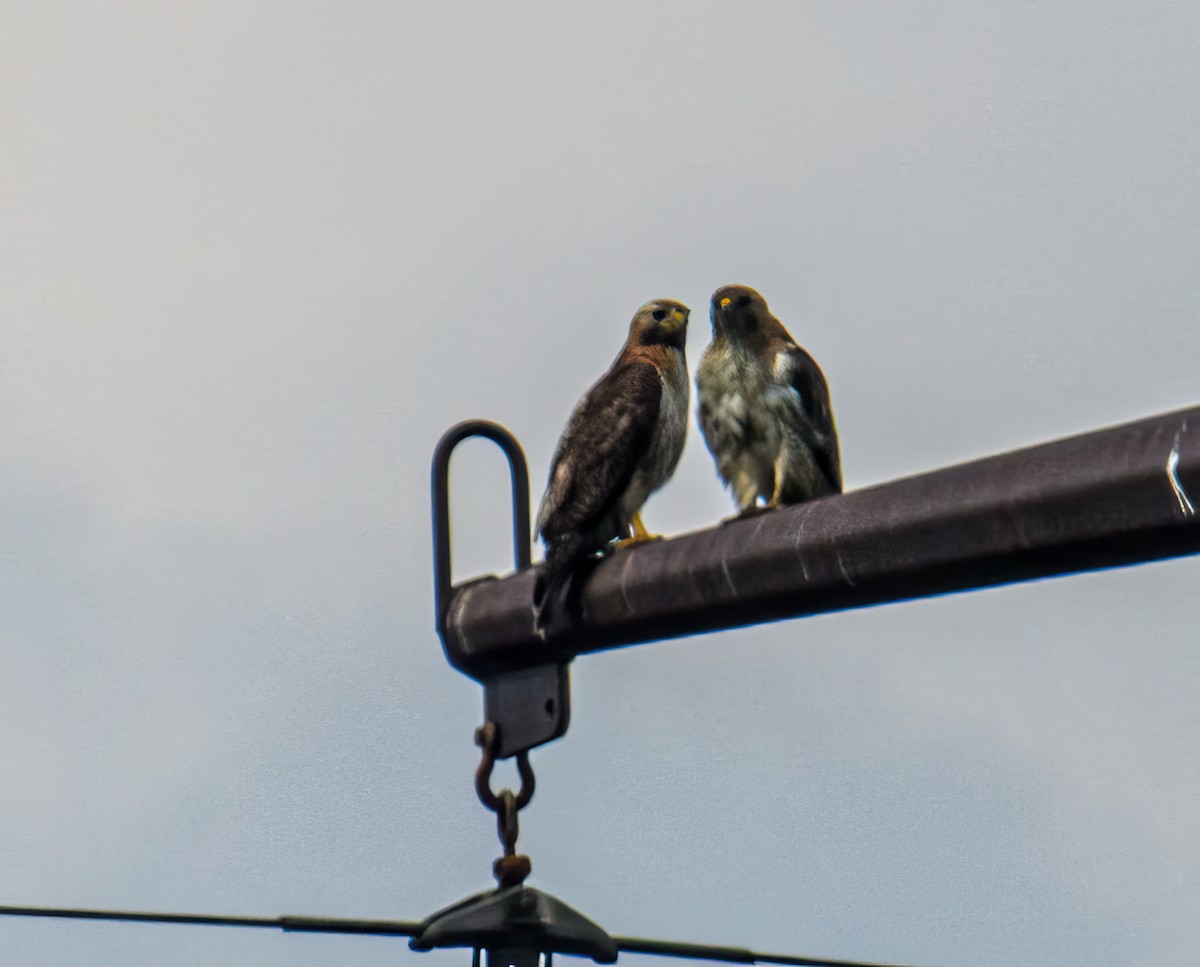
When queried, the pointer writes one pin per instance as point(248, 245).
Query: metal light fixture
point(515, 926)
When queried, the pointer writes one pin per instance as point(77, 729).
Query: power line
point(292, 924)
point(409, 928)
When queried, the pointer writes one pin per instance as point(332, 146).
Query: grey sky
point(254, 258)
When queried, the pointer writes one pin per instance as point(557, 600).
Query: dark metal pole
point(1113, 497)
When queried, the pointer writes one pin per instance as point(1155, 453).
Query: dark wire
point(392, 928)
point(729, 955)
point(410, 928)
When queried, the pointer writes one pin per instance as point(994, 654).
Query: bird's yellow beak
point(725, 302)
point(676, 321)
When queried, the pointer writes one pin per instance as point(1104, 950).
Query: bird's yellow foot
point(635, 540)
point(640, 534)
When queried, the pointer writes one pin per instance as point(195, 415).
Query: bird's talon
point(633, 541)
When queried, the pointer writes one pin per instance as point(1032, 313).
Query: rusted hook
point(485, 738)
point(510, 869)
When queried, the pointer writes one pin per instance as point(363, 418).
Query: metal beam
point(1113, 497)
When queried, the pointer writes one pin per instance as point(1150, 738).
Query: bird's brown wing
point(608, 434)
point(817, 426)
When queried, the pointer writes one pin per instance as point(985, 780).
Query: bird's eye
point(659, 315)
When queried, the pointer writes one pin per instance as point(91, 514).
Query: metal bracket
point(529, 706)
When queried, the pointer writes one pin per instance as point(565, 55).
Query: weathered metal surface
point(529, 706)
point(1113, 497)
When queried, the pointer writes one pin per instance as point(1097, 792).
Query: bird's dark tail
point(553, 584)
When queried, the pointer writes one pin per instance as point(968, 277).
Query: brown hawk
point(764, 407)
point(621, 444)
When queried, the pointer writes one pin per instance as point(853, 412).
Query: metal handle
point(440, 474)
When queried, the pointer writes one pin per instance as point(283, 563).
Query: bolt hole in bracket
point(529, 706)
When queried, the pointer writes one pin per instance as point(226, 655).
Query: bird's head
point(661, 322)
point(738, 310)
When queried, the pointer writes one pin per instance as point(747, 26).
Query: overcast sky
point(255, 257)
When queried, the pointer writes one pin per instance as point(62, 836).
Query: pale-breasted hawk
point(764, 407)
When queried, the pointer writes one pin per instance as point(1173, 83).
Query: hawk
point(621, 444)
point(764, 407)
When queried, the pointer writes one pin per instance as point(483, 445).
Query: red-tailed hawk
point(621, 444)
point(764, 407)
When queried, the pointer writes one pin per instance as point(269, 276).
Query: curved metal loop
point(507, 803)
point(485, 738)
point(440, 484)
point(508, 827)
point(525, 771)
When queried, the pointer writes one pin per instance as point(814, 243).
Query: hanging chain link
point(510, 869)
